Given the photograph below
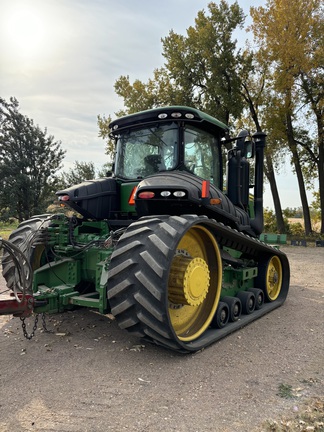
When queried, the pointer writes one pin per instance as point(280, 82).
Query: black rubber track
point(21, 237)
point(139, 270)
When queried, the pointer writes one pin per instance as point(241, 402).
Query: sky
point(61, 58)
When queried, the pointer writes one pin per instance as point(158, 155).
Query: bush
point(270, 222)
point(296, 230)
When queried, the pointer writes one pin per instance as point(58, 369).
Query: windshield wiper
point(159, 138)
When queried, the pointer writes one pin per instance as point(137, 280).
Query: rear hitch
point(19, 306)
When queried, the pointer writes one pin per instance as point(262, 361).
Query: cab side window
point(202, 154)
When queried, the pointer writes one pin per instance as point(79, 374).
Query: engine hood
point(180, 192)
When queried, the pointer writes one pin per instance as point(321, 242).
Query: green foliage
point(285, 391)
point(205, 63)
point(270, 221)
point(81, 172)
point(278, 88)
point(296, 229)
point(29, 161)
point(316, 204)
point(6, 228)
point(293, 212)
point(202, 70)
point(291, 37)
point(293, 227)
point(104, 131)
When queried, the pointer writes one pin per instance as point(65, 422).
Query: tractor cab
point(170, 139)
point(170, 161)
point(174, 156)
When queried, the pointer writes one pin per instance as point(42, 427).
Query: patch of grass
point(308, 418)
point(6, 229)
point(285, 391)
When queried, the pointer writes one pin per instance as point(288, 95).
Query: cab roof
point(176, 112)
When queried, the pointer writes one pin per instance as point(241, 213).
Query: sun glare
point(25, 32)
point(29, 33)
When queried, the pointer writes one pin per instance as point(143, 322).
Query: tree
point(29, 160)
point(81, 172)
point(205, 69)
point(202, 70)
point(291, 36)
point(104, 133)
point(206, 63)
point(255, 91)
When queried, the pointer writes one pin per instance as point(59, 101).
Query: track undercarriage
point(148, 302)
point(182, 282)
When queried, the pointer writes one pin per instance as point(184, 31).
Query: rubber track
point(139, 270)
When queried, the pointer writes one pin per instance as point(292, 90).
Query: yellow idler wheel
point(194, 284)
point(273, 278)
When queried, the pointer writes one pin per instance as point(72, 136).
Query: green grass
point(285, 391)
point(6, 229)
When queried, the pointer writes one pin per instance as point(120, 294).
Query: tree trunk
point(321, 187)
point(320, 125)
point(270, 174)
point(302, 190)
point(316, 101)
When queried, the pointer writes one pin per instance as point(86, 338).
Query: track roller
point(221, 316)
point(259, 297)
point(248, 301)
point(235, 307)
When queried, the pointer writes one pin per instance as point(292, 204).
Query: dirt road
point(91, 376)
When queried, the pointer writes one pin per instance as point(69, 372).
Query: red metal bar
point(23, 308)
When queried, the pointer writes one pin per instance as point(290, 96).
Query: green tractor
point(168, 242)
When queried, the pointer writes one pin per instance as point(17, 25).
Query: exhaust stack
point(257, 222)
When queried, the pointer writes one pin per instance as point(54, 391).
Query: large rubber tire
point(164, 279)
point(22, 238)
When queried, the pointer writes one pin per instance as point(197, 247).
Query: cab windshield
point(146, 151)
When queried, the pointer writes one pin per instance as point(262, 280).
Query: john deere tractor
point(168, 242)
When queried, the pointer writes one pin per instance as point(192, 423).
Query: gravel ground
point(88, 375)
